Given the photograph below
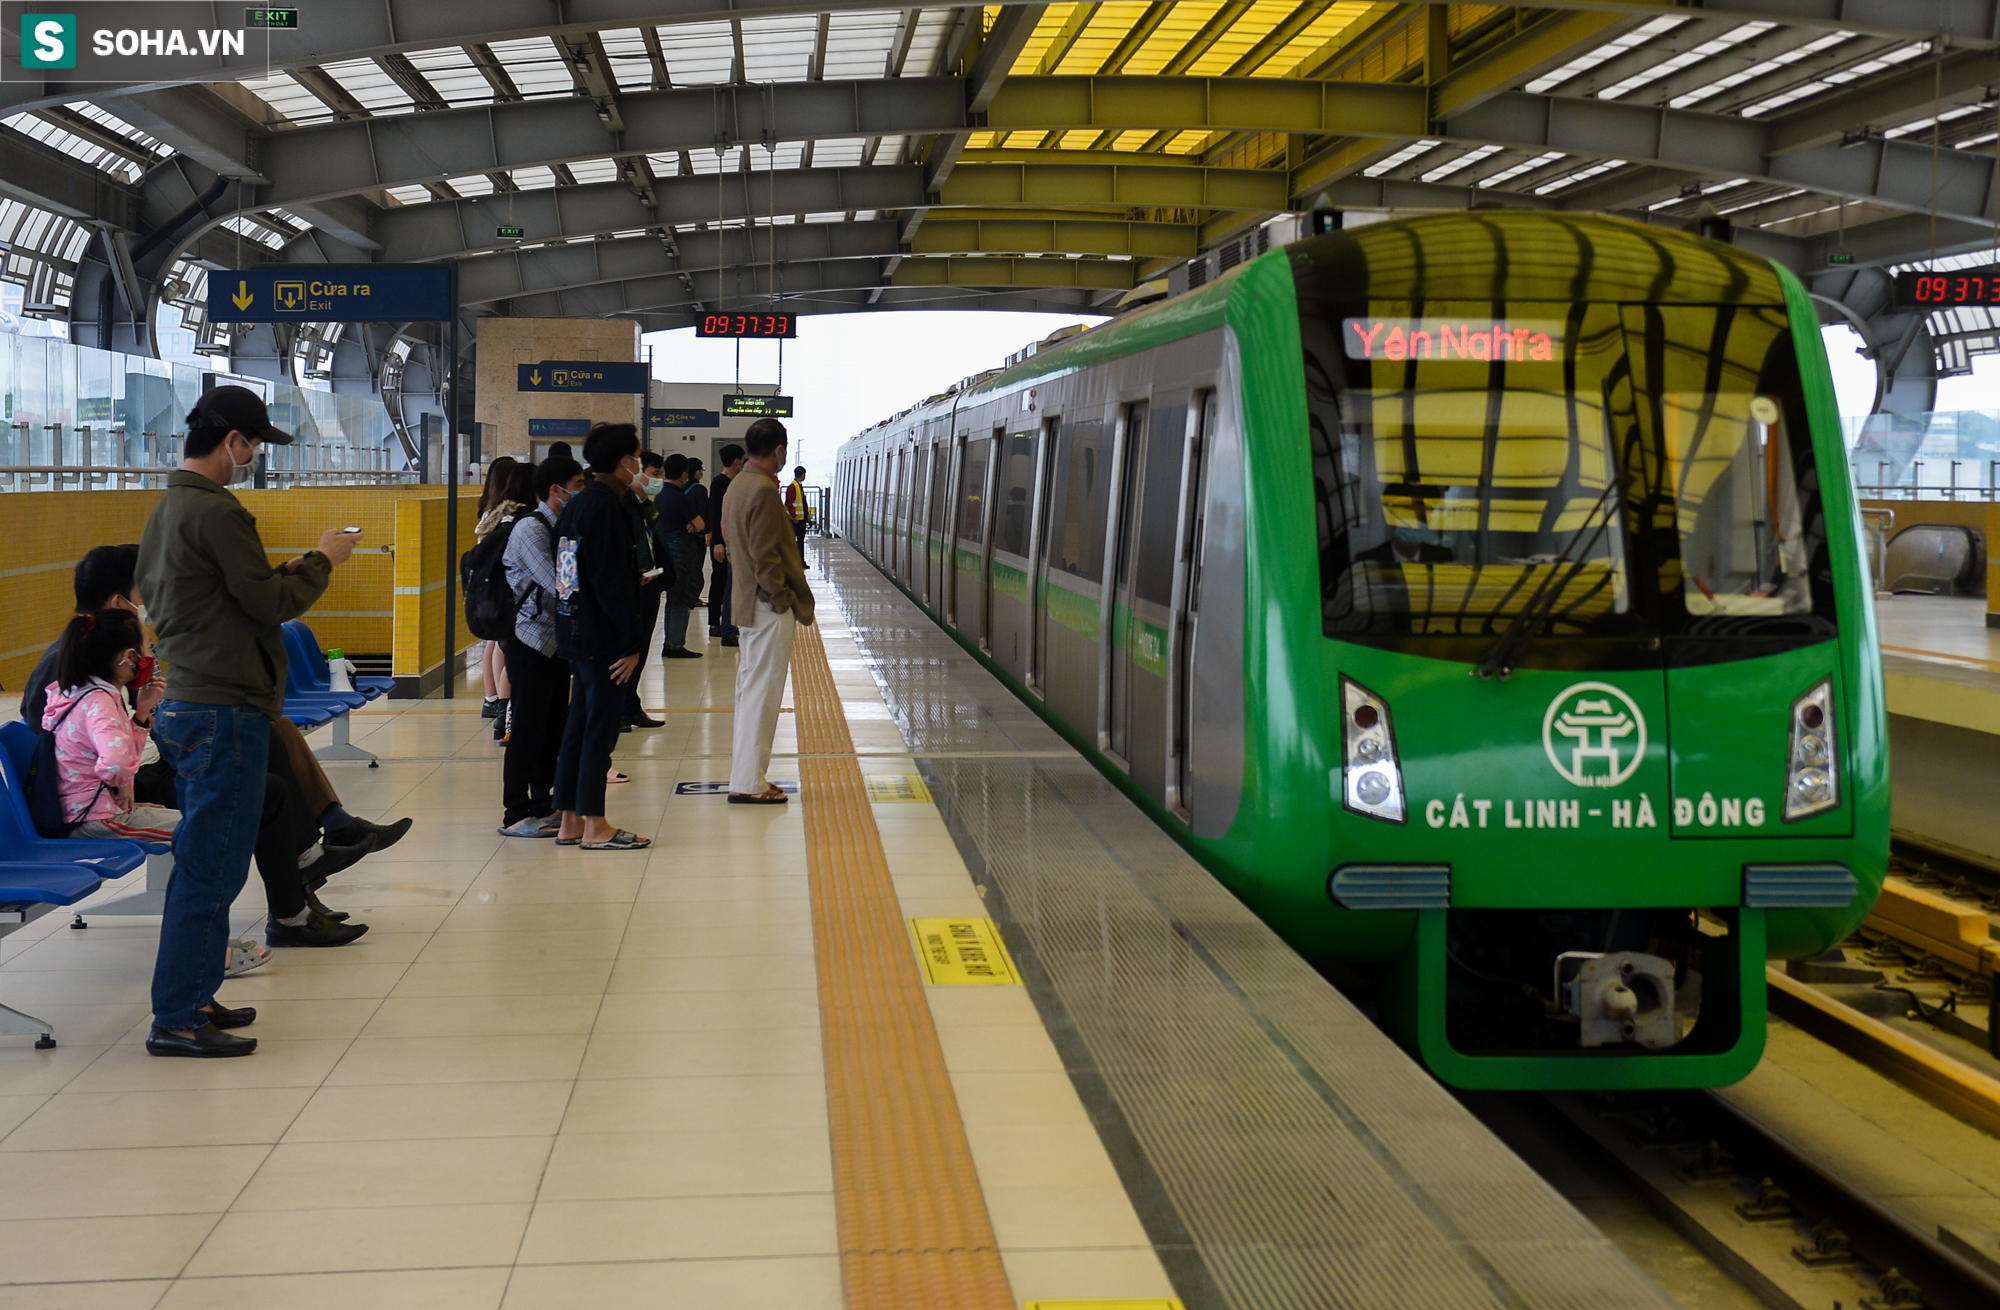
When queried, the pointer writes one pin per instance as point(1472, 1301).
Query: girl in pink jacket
point(99, 742)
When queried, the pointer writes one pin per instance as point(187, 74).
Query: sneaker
point(500, 721)
point(489, 707)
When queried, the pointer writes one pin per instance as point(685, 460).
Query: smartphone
point(650, 574)
point(352, 532)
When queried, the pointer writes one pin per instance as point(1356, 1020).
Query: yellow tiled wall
point(47, 532)
point(421, 567)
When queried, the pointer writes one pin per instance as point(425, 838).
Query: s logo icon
point(48, 41)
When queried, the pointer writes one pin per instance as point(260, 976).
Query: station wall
point(506, 343)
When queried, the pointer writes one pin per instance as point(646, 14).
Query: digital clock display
point(1966, 286)
point(747, 325)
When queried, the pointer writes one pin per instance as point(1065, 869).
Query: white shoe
point(245, 955)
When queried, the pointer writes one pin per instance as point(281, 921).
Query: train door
point(1036, 669)
point(1114, 647)
point(949, 528)
point(937, 536)
point(899, 496)
point(978, 514)
point(1186, 606)
point(1007, 589)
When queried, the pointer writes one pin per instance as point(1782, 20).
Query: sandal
point(620, 841)
point(773, 795)
point(244, 955)
point(613, 778)
point(569, 841)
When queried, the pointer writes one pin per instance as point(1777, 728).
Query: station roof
point(671, 156)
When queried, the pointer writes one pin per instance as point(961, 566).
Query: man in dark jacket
point(216, 605)
point(599, 613)
point(654, 564)
point(719, 609)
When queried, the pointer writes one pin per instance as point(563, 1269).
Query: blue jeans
point(686, 553)
point(218, 753)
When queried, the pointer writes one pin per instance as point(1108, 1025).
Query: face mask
point(654, 486)
point(244, 472)
point(142, 672)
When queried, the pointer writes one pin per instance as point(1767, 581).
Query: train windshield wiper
point(1527, 624)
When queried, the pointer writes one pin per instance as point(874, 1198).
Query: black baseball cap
point(239, 408)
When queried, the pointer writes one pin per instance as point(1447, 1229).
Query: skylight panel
point(1610, 50)
point(254, 231)
point(857, 45)
point(366, 82)
point(1983, 139)
point(104, 118)
point(292, 101)
point(698, 54)
point(1187, 143)
point(594, 170)
point(932, 29)
point(536, 66)
point(709, 161)
point(472, 184)
point(665, 164)
point(1254, 25)
point(411, 195)
point(1400, 158)
point(536, 177)
point(1334, 20)
point(779, 49)
point(1762, 68)
point(1598, 169)
point(1528, 166)
point(839, 152)
point(832, 216)
point(1464, 161)
point(451, 73)
point(625, 50)
point(1706, 50)
point(74, 146)
point(890, 151)
point(1758, 201)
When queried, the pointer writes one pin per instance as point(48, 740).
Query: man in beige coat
point(769, 599)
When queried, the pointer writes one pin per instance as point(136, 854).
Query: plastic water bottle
point(340, 669)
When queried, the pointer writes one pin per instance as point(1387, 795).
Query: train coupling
point(1617, 998)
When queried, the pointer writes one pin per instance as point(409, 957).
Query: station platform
point(1941, 670)
point(727, 1072)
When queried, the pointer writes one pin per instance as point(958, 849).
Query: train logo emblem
point(1594, 734)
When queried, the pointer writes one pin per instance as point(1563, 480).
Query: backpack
point(489, 597)
point(45, 802)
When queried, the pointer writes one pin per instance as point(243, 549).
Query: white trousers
point(763, 657)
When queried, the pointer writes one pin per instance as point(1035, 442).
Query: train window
point(1647, 464)
point(1017, 475)
point(1084, 465)
point(1159, 501)
point(972, 483)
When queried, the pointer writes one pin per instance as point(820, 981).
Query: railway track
point(1785, 1225)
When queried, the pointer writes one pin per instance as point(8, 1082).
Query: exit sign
point(510, 233)
point(1840, 258)
point(271, 18)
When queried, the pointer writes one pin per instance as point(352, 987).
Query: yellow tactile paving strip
point(913, 1226)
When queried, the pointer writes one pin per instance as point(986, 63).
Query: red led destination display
point(1966, 286)
point(747, 325)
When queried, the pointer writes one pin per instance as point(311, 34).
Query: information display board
point(1916, 289)
point(757, 406)
point(747, 325)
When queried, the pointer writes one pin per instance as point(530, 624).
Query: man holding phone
point(217, 606)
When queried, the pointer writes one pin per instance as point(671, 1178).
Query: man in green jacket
point(216, 605)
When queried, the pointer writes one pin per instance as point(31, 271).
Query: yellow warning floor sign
point(883, 787)
point(1151, 1303)
point(962, 952)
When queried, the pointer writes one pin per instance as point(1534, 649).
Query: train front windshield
point(1648, 464)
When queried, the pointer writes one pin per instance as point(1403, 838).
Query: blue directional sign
point(683, 418)
point(575, 375)
point(330, 293)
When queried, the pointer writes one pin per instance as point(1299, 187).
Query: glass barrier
point(77, 418)
point(1942, 455)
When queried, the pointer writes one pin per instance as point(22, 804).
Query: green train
point(1477, 596)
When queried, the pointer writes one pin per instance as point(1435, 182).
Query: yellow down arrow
point(242, 298)
point(535, 376)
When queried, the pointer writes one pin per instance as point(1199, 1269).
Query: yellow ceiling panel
point(1174, 32)
point(1188, 143)
point(1077, 140)
point(1337, 19)
point(1022, 140)
point(1107, 28)
point(1255, 24)
point(1044, 35)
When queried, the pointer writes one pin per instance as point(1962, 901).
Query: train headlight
point(1812, 776)
point(1372, 779)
